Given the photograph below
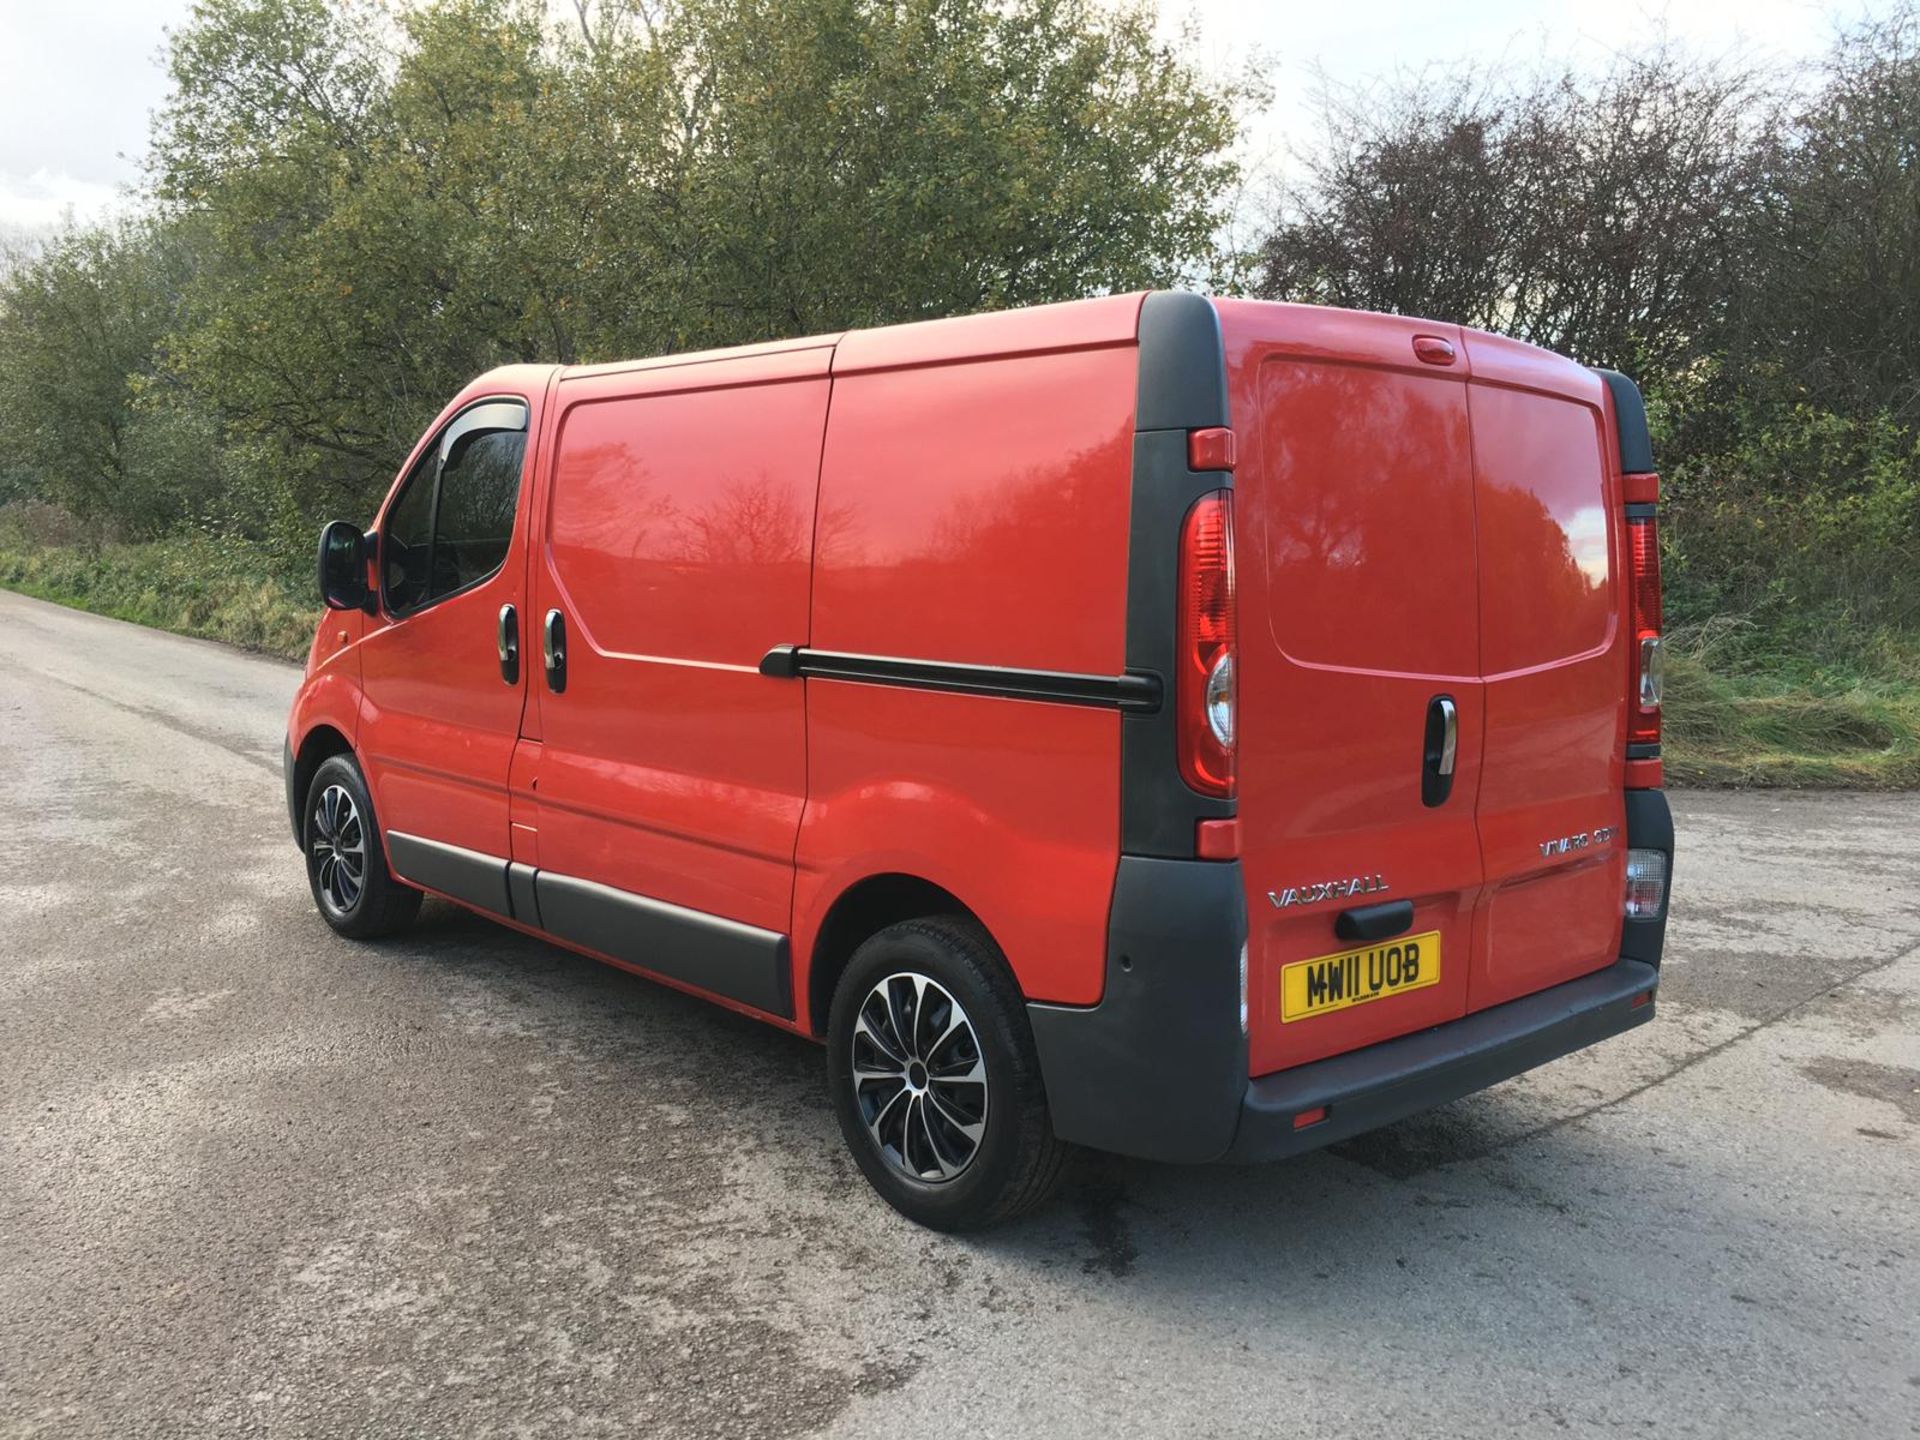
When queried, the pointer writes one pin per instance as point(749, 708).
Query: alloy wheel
point(920, 1078)
point(339, 854)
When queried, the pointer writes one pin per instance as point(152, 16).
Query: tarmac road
point(256, 1179)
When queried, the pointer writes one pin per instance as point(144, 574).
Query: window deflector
point(482, 417)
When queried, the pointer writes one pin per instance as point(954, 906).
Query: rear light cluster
point(1204, 689)
point(1643, 560)
point(1646, 884)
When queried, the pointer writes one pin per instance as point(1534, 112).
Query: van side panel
point(974, 512)
point(676, 540)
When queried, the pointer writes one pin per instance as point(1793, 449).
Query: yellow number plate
point(1353, 977)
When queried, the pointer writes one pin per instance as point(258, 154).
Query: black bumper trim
point(293, 801)
point(1368, 1088)
point(1156, 1069)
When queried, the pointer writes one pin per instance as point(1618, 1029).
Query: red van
point(1190, 728)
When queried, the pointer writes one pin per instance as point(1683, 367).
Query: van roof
point(1070, 325)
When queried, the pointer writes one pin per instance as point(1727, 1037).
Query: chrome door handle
point(1439, 751)
point(508, 640)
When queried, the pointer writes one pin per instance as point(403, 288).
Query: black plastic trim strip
point(1158, 1067)
point(1130, 692)
point(294, 802)
point(1630, 416)
point(1643, 510)
point(526, 905)
point(467, 875)
point(1182, 387)
point(1644, 750)
point(724, 957)
point(1183, 364)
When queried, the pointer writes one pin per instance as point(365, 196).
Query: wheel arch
point(320, 743)
point(861, 911)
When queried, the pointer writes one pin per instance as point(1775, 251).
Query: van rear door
point(1359, 625)
point(1553, 654)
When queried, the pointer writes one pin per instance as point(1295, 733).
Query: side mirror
point(343, 566)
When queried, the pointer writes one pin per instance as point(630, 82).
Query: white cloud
point(44, 200)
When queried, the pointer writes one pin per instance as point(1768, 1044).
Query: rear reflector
point(1646, 884)
point(1645, 997)
point(1309, 1117)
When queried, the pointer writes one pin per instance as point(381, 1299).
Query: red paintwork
point(945, 538)
point(1421, 511)
point(437, 722)
point(1548, 500)
point(676, 542)
point(1408, 532)
point(1354, 502)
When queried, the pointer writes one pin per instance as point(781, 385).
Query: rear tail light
point(1646, 884)
point(1204, 689)
point(1643, 559)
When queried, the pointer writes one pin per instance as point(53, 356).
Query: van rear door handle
point(553, 650)
point(1374, 922)
point(1439, 750)
point(509, 644)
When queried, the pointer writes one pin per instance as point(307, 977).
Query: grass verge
point(1836, 731)
point(1727, 724)
point(192, 586)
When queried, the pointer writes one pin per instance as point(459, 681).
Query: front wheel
point(346, 864)
point(935, 1081)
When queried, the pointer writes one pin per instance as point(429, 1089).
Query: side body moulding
point(743, 963)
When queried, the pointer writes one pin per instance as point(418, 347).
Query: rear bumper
point(1158, 1068)
point(1368, 1088)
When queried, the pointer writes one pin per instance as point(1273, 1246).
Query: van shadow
point(1355, 1214)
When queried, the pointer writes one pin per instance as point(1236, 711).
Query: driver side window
point(405, 547)
point(453, 520)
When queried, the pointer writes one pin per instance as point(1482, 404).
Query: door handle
point(553, 650)
point(509, 644)
point(1374, 922)
point(1439, 751)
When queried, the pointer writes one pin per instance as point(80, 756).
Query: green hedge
point(196, 585)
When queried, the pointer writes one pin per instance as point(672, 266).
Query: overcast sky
point(79, 79)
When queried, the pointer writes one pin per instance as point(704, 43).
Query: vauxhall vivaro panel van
point(1188, 728)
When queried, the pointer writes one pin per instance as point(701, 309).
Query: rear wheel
point(346, 864)
point(935, 1081)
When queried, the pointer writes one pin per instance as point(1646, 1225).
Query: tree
point(1832, 309)
point(79, 323)
point(1603, 216)
point(392, 208)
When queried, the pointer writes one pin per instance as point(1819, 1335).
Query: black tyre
point(931, 1065)
point(346, 863)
